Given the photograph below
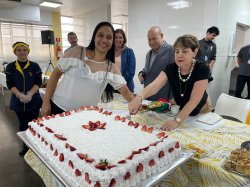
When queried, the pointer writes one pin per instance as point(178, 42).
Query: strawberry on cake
point(92, 147)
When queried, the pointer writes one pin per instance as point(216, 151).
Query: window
point(30, 34)
point(69, 24)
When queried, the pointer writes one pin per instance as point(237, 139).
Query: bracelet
point(178, 120)
point(140, 95)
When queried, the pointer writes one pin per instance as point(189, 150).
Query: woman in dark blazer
point(125, 58)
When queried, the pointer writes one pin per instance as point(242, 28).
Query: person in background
point(72, 39)
point(88, 74)
point(159, 56)
point(23, 79)
point(243, 76)
point(125, 58)
point(188, 80)
point(207, 50)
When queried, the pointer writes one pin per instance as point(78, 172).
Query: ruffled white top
point(80, 86)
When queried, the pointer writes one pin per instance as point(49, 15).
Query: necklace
point(97, 62)
point(189, 75)
point(90, 59)
point(184, 91)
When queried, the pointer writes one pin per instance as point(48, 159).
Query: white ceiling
point(76, 8)
point(73, 7)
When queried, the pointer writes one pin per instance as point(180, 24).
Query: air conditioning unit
point(9, 3)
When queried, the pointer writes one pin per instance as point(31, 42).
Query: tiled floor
point(14, 172)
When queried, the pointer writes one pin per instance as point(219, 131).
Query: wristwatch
point(178, 120)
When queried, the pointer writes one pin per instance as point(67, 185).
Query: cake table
point(150, 181)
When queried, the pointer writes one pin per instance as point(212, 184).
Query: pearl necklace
point(184, 91)
point(189, 75)
point(97, 62)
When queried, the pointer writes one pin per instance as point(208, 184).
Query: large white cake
point(92, 147)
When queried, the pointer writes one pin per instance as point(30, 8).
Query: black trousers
point(240, 84)
point(25, 117)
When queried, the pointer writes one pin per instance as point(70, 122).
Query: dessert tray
point(238, 161)
point(149, 181)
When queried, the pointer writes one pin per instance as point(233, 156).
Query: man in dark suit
point(160, 55)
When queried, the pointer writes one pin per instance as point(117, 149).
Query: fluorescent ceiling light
point(173, 27)
point(50, 4)
point(179, 4)
point(117, 26)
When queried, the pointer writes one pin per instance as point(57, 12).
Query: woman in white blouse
point(88, 74)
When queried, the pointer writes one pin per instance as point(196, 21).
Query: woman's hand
point(134, 105)
point(23, 98)
point(170, 125)
point(46, 109)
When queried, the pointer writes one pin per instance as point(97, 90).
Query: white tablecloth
point(3, 79)
point(2, 82)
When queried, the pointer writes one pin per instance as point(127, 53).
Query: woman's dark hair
point(111, 52)
point(110, 56)
point(123, 34)
point(187, 41)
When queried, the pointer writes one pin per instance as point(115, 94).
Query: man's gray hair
point(155, 28)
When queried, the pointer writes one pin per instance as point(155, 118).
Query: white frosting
point(114, 143)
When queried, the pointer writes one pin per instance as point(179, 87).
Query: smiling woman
point(125, 58)
point(88, 74)
point(23, 78)
point(188, 80)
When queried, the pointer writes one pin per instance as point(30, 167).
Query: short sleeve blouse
point(200, 72)
point(79, 86)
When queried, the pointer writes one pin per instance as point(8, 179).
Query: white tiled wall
point(230, 12)
point(90, 20)
point(195, 20)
